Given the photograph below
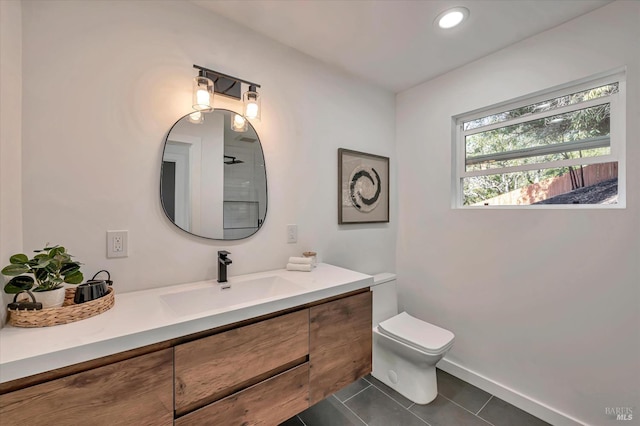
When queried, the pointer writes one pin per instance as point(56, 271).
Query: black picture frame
point(363, 187)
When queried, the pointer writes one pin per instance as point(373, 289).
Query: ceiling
point(393, 43)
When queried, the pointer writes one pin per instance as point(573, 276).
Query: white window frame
point(617, 138)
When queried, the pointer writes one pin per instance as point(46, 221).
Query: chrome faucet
point(223, 261)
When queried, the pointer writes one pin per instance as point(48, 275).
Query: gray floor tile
point(442, 412)
point(369, 402)
point(501, 413)
point(329, 412)
point(293, 421)
point(351, 390)
point(377, 409)
point(460, 392)
point(405, 402)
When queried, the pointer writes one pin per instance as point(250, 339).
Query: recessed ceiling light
point(452, 17)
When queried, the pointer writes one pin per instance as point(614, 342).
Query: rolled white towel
point(301, 260)
point(299, 267)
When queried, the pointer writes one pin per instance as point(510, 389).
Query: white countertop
point(142, 318)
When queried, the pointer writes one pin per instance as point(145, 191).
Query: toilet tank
point(385, 298)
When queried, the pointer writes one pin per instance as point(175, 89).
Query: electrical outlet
point(292, 234)
point(117, 244)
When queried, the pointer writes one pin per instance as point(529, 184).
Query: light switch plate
point(117, 244)
point(292, 234)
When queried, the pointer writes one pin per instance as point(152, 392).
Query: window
point(563, 146)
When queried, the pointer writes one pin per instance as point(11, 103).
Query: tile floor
point(369, 402)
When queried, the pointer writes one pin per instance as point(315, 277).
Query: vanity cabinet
point(137, 391)
point(261, 371)
point(339, 344)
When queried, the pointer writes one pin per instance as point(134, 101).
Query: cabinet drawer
point(137, 391)
point(214, 367)
point(267, 403)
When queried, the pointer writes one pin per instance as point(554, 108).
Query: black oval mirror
point(214, 181)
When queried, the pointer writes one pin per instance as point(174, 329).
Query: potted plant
point(50, 268)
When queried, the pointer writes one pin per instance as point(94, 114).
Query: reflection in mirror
point(213, 182)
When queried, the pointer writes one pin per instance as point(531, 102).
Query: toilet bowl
point(405, 349)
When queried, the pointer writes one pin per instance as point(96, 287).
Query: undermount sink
point(213, 296)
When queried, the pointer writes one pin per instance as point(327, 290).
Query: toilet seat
point(416, 333)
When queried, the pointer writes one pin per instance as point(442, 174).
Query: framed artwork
point(363, 187)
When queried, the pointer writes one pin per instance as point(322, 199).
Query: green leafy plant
point(50, 267)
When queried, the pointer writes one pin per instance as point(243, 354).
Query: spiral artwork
point(364, 188)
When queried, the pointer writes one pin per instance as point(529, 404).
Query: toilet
point(405, 349)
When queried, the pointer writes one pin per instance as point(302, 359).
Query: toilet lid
point(417, 333)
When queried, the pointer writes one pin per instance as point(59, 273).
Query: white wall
point(104, 81)
point(10, 136)
point(543, 302)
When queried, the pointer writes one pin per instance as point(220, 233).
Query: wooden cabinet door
point(339, 344)
point(137, 391)
point(214, 367)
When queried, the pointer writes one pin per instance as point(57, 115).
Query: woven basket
point(68, 312)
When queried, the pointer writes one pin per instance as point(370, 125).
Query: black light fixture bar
point(224, 84)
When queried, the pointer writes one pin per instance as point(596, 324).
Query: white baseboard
point(513, 397)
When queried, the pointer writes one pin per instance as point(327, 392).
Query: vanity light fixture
point(229, 86)
point(202, 93)
point(239, 123)
point(451, 17)
point(196, 117)
point(251, 100)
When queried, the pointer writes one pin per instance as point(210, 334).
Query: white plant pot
point(50, 299)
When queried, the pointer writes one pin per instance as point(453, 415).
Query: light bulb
point(252, 110)
point(239, 123)
point(202, 96)
point(451, 19)
point(196, 117)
